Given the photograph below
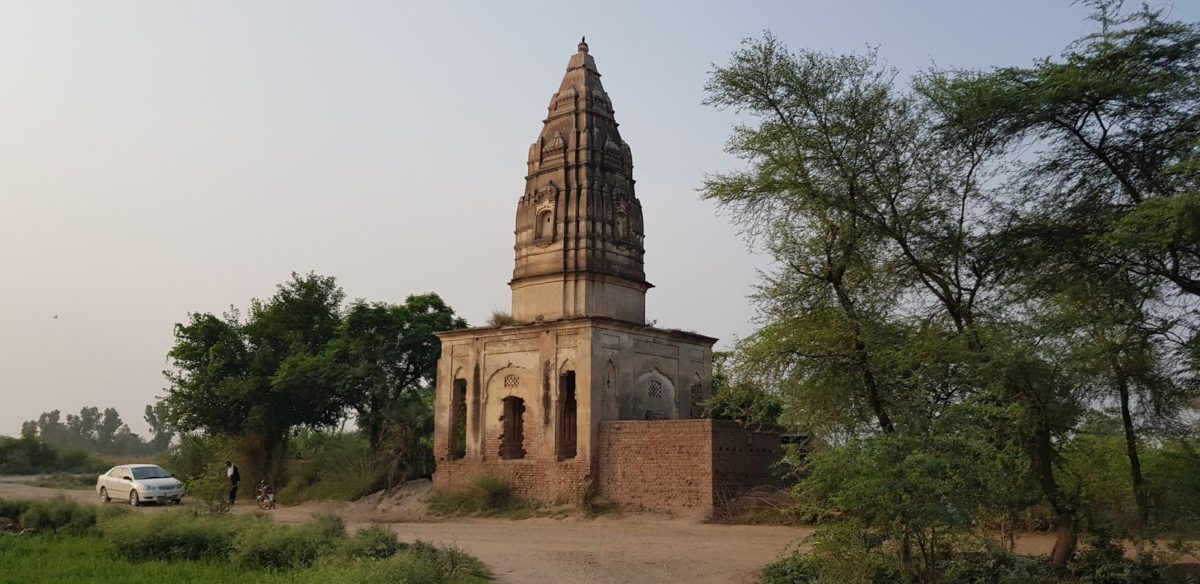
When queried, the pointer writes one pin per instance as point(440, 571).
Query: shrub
point(795, 569)
point(272, 546)
point(501, 317)
point(332, 466)
point(450, 563)
point(327, 525)
point(372, 542)
point(1103, 561)
point(13, 508)
point(404, 568)
point(982, 568)
point(211, 488)
point(58, 515)
point(486, 495)
point(171, 536)
point(195, 454)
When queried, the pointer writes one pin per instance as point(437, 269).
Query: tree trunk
point(1066, 522)
point(1131, 449)
point(863, 357)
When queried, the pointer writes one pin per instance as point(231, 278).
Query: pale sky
point(159, 158)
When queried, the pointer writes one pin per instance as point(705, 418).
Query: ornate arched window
point(545, 224)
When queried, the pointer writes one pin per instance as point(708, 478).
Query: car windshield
point(150, 472)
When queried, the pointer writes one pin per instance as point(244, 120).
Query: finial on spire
point(583, 48)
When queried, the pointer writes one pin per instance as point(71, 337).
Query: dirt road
point(573, 550)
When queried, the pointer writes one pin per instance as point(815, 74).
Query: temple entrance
point(567, 416)
point(512, 441)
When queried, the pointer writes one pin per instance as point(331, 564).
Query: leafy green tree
point(391, 351)
point(1115, 122)
point(1107, 209)
point(855, 180)
point(258, 379)
point(740, 400)
point(300, 360)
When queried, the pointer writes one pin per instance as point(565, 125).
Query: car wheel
point(133, 499)
point(104, 495)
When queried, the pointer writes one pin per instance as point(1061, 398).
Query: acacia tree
point(854, 180)
point(1109, 222)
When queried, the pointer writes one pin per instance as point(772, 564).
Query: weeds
point(486, 496)
point(58, 515)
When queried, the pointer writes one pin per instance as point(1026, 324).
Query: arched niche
point(652, 397)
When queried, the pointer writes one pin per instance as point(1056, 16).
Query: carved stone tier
point(579, 231)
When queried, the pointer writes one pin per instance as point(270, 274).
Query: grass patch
point(761, 506)
point(185, 546)
point(57, 515)
point(486, 496)
point(172, 536)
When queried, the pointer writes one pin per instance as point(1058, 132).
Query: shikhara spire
point(579, 225)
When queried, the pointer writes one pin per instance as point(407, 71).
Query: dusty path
point(573, 550)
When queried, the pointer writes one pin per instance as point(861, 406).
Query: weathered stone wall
point(688, 466)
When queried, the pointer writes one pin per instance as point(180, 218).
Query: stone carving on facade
point(531, 397)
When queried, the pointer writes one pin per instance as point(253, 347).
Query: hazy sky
point(159, 158)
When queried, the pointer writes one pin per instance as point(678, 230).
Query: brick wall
point(682, 466)
point(689, 466)
point(743, 459)
point(536, 479)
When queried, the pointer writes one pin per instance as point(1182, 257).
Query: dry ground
point(631, 548)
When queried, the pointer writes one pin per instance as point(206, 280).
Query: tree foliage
point(302, 359)
point(946, 308)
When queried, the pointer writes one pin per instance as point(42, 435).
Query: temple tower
point(554, 402)
point(579, 230)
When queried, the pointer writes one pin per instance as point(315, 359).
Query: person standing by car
point(235, 477)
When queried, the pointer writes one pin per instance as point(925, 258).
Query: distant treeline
point(100, 432)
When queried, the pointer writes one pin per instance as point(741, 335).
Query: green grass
point(71, 543)
point(52, 559)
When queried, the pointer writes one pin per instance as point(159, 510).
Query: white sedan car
point(139, 483)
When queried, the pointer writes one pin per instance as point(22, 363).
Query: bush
point(195, 454)
point(403, 568)
point(13, 508)
point(171, 536)
point(998, 569)
point(1103, 561)
point(486, 495)
point(58, 515)
point(795, 569)
point(271, 546)
point(450, 563)
point(327, 525)
point(332, 466)
point(211, 488)
point(373, 542)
